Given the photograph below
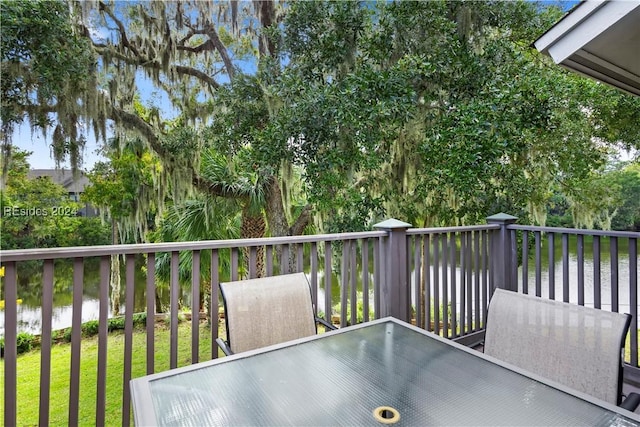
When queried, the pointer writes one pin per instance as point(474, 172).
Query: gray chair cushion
point(579, 347)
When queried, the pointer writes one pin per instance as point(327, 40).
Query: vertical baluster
point(633, 299)
point(463, 284)
point(597, 291)
point(353, 279)
point(615, 276)
point(552, 267)
point(565, 267)
point(485, 274)
point(417, 271)
point(45, 341)
point(215, 282)
point(150, 293)
point(327, 281)
point(174, 294)
point(128, 337)
point(445, 286)
point(476, 257)
point(195, 307)
point(426, 273)
point(377, 274)
point(269, 261)
point(300, 258)
point(525, 262)
point(10, 343)
point(436, 282)
point(469, 269)
point(76, 337)
point(538, 239)
point(313, 262)
point(580, 249)
point(284, 260)
point(253, 256)
point(513, 274)
point(235, 258)
point(365, 279)
point(344, 282)
point(454, 283)
point(103, 334)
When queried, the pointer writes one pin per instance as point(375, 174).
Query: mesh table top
point(341, 378)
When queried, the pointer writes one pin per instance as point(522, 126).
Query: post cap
point(392, 224)
point(502, 217)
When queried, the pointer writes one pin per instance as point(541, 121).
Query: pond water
point(29, 309)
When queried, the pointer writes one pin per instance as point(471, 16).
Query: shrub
point(24, 342)
point(140, 319)
point(66, 335)
point(90, 328)
point(116, 323)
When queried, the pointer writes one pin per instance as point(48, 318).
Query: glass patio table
point(382, 372)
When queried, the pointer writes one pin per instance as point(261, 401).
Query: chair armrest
point(224, 347)
point(631, 402)
point(325, 324)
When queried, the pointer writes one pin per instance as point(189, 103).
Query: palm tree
point(237, 212)
point(246, 190)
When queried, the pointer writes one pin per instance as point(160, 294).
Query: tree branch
point(135, 122)
point(123, 34)
point(181, 70)
point(301, 223)
point(220, 47)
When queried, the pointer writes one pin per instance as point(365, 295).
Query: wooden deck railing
point(439, 278)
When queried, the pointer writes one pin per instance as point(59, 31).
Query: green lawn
point(28, 374)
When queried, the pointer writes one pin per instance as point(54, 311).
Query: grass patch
point(28, 374)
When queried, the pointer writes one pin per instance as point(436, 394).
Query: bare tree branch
point(221, 48)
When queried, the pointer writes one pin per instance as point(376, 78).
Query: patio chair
point(266, 311)
point(577, 346)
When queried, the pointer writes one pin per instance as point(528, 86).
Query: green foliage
point(628, 208)
point(437, 113)
point(441, 112)
point(606, 199)
point(124, 187)
point(90, 328)
point(37, 213)
point(24, 341)
point(66, 334)
point(46, 68)
point(359, 310)
point(139, 319)
point(115, 323)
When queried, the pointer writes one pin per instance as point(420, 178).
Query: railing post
point(395, 289)
point(501, 273)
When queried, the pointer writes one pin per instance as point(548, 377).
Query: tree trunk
point(253, 226)
point(115, 272)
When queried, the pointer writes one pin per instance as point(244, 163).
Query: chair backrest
point(268, 310)
point(577, 346)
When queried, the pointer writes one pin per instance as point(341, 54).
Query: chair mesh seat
point(268, 310)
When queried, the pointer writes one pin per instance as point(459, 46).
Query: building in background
point(74, 186)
